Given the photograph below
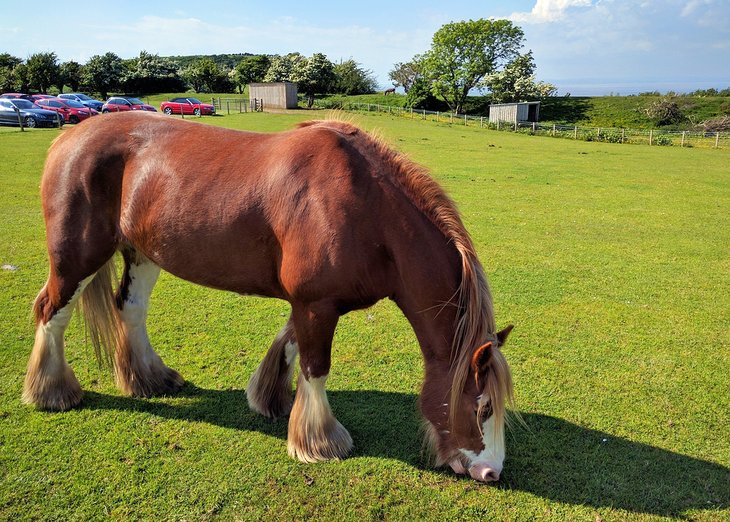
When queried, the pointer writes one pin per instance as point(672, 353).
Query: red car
point(30, 97)
point(72, 111)
point(187, 106)
point(126, 103)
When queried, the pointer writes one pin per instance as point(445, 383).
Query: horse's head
point(469, 435)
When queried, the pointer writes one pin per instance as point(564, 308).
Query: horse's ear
point(502, 334)
point(480, 360)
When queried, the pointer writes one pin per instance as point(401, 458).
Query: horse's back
point(292, 214)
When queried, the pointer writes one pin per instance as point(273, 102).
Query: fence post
point(464, 120)
point(717, 139)
point(481, 122)
point(623, 135)
point(20, 119)
point(498, 124)
point(451, 117)
point(515, 125)
point(575, 132)
point(424, 114)
point(683, 134)
point(651, 136)
point(533, 127)
point(598, 135)
point(554, 131)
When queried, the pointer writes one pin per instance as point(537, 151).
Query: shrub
point(611, 136)
point(662, 139)
point(665, 111)
point(717, 124)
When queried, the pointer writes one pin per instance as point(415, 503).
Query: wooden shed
point(280, 95)
point(514, 112)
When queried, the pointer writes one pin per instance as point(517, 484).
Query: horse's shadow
point(552, 458)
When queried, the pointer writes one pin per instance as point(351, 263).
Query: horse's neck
point(430, 273)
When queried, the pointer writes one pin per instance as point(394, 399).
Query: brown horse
point(323, 216)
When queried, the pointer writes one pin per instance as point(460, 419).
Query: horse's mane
point(475, 322)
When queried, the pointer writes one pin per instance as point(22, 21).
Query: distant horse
point(386, 92)
point(323, 216)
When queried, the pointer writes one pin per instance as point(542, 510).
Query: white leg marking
point(134, 310)
point(51, 333)
point(290, 352)
point(314, 396)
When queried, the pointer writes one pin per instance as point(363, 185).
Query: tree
point(150, 73)
point(8, 63)
point(419, 96)
point(406, 74)
point(20, 78)
point(516, 82)
point(204, 75)
point(103, 73)
point(463, 53)
point(281, 67)
point(353, 79)
point(313, 75)
point(70, 74)
point(43, 71)
point(251, 69)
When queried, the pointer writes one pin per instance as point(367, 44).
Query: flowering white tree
point(516, 82)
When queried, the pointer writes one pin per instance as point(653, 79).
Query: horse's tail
point(101, 315)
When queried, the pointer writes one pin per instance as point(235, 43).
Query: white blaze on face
point(492, 456)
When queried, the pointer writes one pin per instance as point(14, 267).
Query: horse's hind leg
point(314, 432)
point(269, 391)
point(139, 370)
point(50, 383)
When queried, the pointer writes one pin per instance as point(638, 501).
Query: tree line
point(150, 73)
point(474, 55)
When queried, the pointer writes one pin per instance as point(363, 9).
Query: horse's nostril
point(484, 473)
point(491, 476)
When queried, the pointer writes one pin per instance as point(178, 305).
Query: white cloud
point(548, 11)
point(692, 6)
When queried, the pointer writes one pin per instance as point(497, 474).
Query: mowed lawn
point(612, 261)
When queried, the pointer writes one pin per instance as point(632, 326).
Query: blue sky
point(585, 47)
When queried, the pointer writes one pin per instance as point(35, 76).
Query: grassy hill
point(627, 111)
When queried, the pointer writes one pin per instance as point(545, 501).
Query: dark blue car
point(30, 114)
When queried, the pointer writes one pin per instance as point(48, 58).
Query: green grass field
point(613, 262)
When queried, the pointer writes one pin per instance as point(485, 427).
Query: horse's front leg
point(314, 433)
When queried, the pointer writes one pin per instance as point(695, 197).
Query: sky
point(584, 47)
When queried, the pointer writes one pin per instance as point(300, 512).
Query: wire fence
point(240, 105)
point(658, 137)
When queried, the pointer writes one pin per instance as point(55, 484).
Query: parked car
point(187, 106)
point(30, 113)
point(71, 110)
point(83, 98)
point(36, 97)
point(12, 95)
point(126, 103)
